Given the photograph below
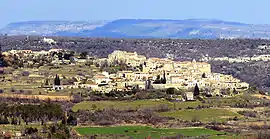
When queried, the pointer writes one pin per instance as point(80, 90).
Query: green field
point(140, 132)
point(123, 105)
point(203, 115)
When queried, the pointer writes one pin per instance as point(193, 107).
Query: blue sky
point(248, 11)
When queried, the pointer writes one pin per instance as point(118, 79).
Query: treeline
point(16, 114)
point(113, 116)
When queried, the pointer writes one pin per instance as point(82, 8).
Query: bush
point(162, 108)
point(105, 122)
point(252, 114)
point(4, 120)
point(173, 137)
point(25, 73)
point(263, 135)
point(170, 91)
point(13, 90)
point(214, 127)
point(30, 130)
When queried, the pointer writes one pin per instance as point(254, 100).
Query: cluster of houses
point(161, 73)
point(150, 73)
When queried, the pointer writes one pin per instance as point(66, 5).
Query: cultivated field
point(141, 132)
point(203, 115)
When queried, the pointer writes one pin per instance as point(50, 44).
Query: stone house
point(189, 96)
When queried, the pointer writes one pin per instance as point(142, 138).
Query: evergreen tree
point(57, 80)
point(84, 55)
point(60, 55)
point(148, 84)
point(158, 80)
point(163, 80)
point(72, 120)
point(47, 82)
point(203, 75)
point(3, 62)
point(196, 90)
point(158, 77)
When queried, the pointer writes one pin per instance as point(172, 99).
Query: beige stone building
point(129, 58)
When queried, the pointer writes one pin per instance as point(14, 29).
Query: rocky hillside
point(142, 28)
point(49, 28)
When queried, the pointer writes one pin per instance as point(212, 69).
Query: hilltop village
point(57, 90)
point(127, 71)
point(164, 73)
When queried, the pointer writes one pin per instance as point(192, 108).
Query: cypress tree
point(196, 90)
point(164, 78)
point(57, 80)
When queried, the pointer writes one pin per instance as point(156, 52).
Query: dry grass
point(262, 96)
point(40, 97)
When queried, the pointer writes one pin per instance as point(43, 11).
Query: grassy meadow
point(141, 132)
point(203, 115)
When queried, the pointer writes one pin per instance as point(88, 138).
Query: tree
point(148, 84)
point(196, 90)
point(203, 75)
point(57, 80)
point(158, 80)
point(72, 120)
point(68, 56)
point(158, 77)
point(163, 80)
point(47, 82)
point(83, 55)
point(170, 91)
point(3, 63)
point(60, 55)
point(30, 130)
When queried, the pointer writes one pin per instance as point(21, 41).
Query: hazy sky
point(248, 11)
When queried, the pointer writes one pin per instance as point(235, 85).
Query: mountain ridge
point(141, 28)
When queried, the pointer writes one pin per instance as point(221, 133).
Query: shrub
point(25, 73)
point(162, 108)
point(13, 90)
point(170, 91)
point(173, 137)
point(214, 127)
point(105, 122)
point(263, 135)
point(30, 130)
point(252, 114)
